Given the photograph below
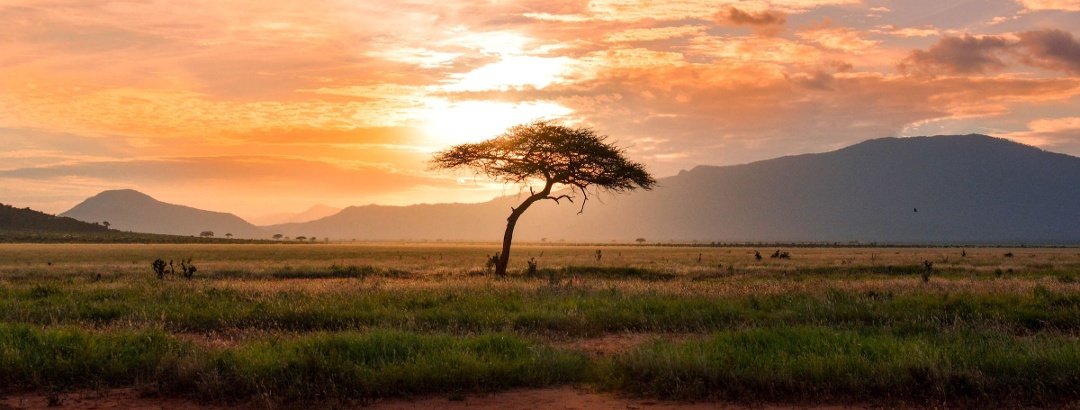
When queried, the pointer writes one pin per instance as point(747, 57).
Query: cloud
point(1059, 134)
point(654, 33)
point(1050, 48)
point(1053, 49)
point(1063, 5)
point(351, 91)
point(634, 10)
point(753, 50)
point(228, 182)
point(741, 112)
point(838, 38)
point(907, 32)
point(164, 114)
point(738, 17)
point(958, 55)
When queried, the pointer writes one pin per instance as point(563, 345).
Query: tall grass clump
point(381, 364)
point(820, 364)
point(70, 357)
point(313, 367)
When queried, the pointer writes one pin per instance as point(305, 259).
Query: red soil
point(540, 399)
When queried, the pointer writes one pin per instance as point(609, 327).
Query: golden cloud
point(838, 38)
point(1050, 133)
point(1064, 5)
point(654, 33)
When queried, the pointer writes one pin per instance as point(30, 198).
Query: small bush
point(187, 268)
point(159, 268)
point(531, 270)
point(492, 261)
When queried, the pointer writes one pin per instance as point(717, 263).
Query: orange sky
point(261, 107)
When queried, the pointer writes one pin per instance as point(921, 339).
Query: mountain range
point(130, 210)
point(315, 212)
point(965, 189)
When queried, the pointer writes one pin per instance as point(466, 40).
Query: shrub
point(159, 268)
point(492, 261)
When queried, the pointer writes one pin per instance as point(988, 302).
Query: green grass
point(797, 364)
point(312, 367)
point(382, 364)
point(330, 322)
point(527, 306)
point(64, 357)
point(804, 363)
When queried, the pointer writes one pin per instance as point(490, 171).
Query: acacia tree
point(553, 155)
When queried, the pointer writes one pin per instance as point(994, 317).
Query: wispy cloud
point(1066, 5)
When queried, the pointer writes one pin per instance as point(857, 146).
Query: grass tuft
point(811, 363)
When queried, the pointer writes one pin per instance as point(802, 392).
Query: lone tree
point(553, 155)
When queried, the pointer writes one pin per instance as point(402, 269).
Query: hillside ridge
point(959, 189)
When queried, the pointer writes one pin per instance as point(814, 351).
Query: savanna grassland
point(350, 323)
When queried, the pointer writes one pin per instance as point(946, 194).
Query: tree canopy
point(552, 155)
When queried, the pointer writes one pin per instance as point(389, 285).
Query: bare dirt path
point(113, 399)
point(565, 398)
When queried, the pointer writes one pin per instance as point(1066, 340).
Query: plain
point(357, 322)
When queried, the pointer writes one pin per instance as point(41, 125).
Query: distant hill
point(131, 210)
point(315, 212)
point(29, 226)
point(26, 219)
point(966, 189)
point(416, 222)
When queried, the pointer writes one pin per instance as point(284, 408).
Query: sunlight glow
point(512, 72)
point(470, 121)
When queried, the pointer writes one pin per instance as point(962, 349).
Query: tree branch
point(563, 196)
point(584, 194)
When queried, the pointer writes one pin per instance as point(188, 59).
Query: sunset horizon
point(260, 109)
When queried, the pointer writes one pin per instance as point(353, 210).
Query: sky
point(256, 107)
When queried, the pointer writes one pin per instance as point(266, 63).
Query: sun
point(448, 121)
point(451, 123)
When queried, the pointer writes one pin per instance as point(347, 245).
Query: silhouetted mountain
point(26, 219)
point(946, 189)
point(131, 210)
point(311, 214)
point(424, 221)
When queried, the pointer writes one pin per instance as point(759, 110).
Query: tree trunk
point(508, 236)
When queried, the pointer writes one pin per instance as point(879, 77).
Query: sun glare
point(450, 123)
point(511, 72)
